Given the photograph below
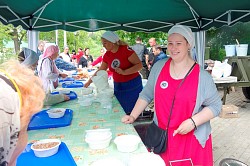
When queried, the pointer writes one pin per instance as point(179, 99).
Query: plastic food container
point(146, 159)
point(86, 100)
point(64, 91)
point(56, 112)
point(108, 162)
point(86, 91)
point(68, 82)
point(98, 139)
point(127, 143)
point(46, 147)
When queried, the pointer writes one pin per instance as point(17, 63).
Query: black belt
point(9, 82)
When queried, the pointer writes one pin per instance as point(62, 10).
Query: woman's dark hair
point(21, 57)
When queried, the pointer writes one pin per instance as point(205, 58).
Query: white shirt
point(65, 57)
point(47, 75)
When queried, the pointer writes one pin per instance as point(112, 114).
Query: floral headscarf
point(50, 51)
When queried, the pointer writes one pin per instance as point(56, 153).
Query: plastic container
point(242, 49)
point(64, 91)
point(47, 147)
point(230, 50)
point(146, 159)
point(98, 139)
point(127, 143)
point(86, 91)
point(56, 112)
point(86, 100)
point(108, 162)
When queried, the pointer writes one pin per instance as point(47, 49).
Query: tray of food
point(72, 95)
point(45, 120)
point(72, 84)
point(49, 152)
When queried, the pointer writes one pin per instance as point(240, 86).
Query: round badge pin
point(115, 63)
point(164, 84)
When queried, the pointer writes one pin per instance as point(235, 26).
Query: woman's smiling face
point(107, 44)
point(177, 46)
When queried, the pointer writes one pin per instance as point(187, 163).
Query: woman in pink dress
point(196, 102)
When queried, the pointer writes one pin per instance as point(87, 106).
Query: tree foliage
point(216, 39)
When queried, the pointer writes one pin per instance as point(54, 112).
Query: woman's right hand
point(127, 119)
point(87, 83)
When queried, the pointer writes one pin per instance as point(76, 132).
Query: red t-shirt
point(120, 59)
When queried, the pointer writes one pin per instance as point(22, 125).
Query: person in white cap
point(125, 64)
point(185, 95)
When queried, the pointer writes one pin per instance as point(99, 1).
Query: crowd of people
point(181, 90)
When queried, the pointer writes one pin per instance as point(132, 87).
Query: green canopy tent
point(128, 15)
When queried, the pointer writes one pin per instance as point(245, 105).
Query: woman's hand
point(63, 75)
point(120, 71)
point(87, 83)
point(127, 119)
point(66, 98)
point(185, 127)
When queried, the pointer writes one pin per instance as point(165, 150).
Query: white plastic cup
point(230, 50)
point(241, 49)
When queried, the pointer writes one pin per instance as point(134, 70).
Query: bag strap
point(51, 63)
point(171, 109)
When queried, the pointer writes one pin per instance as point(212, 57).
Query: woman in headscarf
point(125, 64)
point(18, 102)
point(49, 73)
point(194, 102)
point(28, 58)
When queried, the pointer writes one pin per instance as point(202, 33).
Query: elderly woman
point(188, 106)
point(18, 102)
point(125, 64)
point(28, 58)
point(49, 73)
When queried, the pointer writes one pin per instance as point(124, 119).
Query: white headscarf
point(31, 57)
point(111, 36)
point(185, 32)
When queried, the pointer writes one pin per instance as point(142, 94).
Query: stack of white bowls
point(101, 80)
point(99, 138)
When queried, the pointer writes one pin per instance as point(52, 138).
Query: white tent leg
point(32, 40)
point(200, 46)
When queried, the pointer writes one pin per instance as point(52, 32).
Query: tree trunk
point(16, 41)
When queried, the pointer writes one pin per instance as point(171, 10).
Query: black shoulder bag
point(155, 137)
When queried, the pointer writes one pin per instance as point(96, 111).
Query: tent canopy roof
point(128, 15)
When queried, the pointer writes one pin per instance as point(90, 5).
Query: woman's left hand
point(185, 127)
point(63, 75)
point(120, 71)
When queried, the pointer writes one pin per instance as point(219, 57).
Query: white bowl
point(85, 101)
point(56, 112)
point(99, 138)
point(93, 144)
point(107, 93)
point(68, 82)
point(64, 91)
point(127, 143)
point(98, 135)
point(108, 162)
point(46, 147)
point(86, 91)
point(146, 159)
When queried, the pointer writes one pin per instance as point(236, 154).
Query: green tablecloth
point(85, 118)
